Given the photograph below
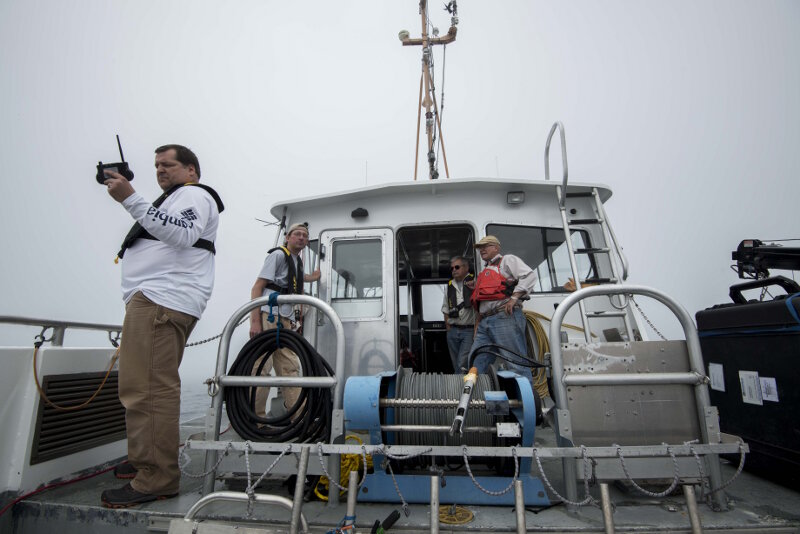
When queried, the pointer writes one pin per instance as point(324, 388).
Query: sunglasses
point(455, 268)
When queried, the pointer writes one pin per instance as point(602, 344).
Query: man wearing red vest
point(499, 288)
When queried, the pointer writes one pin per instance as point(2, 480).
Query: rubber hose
point(308, 421)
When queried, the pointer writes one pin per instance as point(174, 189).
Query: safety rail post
point(701, 394)
point(213, 428)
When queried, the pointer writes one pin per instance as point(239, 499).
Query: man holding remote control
point(167, 278)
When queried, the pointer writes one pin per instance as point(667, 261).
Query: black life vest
point(452, 297)
point(295, 277)
point(138, 232)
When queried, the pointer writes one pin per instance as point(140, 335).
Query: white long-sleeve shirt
point(171, 272)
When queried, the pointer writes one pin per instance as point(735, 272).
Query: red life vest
point(491, 285)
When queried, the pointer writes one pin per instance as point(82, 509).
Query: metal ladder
point(619, 272)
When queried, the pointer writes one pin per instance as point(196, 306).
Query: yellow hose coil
point(350, 462)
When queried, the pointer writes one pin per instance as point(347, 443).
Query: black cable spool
point(308, 421)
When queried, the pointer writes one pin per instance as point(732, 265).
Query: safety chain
point(490, 492)
point(647, 319)
point(183, 455)
point(213, 338)
point(328, 476)
point(586, 469)
point(250, 490)
point(388, 464)
point(738, 472)
point(670, 489)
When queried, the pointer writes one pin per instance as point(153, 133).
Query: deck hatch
point(60, 433)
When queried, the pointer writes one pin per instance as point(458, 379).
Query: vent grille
point(59, 433)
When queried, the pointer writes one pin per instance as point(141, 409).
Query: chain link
point(490, 492)
point(250, 490)
point(647, 319)
point(183, 455)
point(586, 469)
point(738, 472)
point(391, 456)
point(670, 489)
point(194, 344)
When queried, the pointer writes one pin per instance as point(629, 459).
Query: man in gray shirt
point(282, 273)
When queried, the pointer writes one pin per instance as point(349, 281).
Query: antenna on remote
point(120, 148)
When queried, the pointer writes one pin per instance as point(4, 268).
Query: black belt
point(462, 326)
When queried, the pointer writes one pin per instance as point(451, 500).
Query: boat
point(616, 432)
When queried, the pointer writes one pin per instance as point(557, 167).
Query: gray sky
point(688, 110)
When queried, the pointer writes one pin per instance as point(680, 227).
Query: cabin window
point(357, 278)
point(310, 264)
point(543, 249)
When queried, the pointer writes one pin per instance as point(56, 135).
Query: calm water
point(194, 402)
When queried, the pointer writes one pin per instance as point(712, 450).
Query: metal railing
point(694, 377)
point(222, 380)
point(60, 327)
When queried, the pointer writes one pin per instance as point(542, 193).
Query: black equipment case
point(751, 351)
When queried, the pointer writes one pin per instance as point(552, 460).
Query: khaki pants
point(153, 339)
point(285, 362)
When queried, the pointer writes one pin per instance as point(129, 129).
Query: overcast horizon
point(687, 110)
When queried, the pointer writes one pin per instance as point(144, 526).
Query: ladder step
point(586, 221)
point(580, 195)
point(606, 314)
point(599, 281)
point(598, 250)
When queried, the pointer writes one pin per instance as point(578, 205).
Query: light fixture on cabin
point(515, 197)
point(359, 213)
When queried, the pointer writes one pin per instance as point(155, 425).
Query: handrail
point(221, 379)
point(618, 249)
point(234, 496)
point(701, 394)
point(59, 327)
point(563, 135)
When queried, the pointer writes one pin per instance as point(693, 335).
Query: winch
point(473, 412)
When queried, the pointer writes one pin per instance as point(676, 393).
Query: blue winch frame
point(362, 413)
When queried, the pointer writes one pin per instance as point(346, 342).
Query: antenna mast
point(426, 80)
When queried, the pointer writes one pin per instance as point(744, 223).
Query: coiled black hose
point(308, 421)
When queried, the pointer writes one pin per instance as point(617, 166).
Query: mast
point(432, 119)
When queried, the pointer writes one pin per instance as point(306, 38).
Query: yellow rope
point(69, 408)
point(460, 516)
point(350, 462)
point(542, 347)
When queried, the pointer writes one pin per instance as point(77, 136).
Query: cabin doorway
point(423, 270)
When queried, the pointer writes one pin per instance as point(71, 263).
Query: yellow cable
point(69, 408)
point(349, 462)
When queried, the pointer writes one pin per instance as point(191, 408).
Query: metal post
point(519, 507)
point(299, 487)
point(691, 505)
point(605, 503)
point(352, 494)
point(435, 504)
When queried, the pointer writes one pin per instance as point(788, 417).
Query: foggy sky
point(688, 110)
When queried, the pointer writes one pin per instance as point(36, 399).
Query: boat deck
point(756, 505)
